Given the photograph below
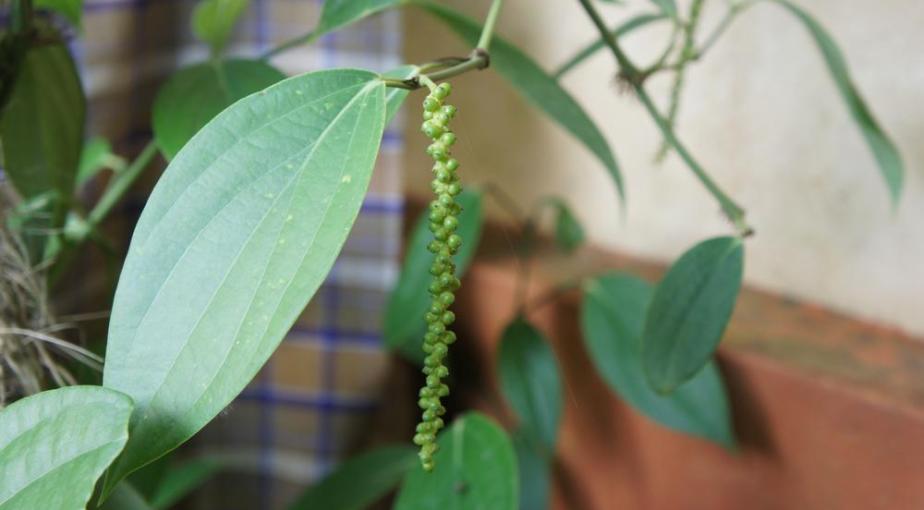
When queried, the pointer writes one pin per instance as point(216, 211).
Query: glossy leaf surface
point(612, 314)
point(237, 236)
point(54, 446)
point(689, 311)
point(475, 469)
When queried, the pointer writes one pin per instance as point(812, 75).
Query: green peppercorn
point(432, 104)
point(454, 242)
point(448, 139)
point(442, 91)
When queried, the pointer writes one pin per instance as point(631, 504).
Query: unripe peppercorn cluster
point(444, 211)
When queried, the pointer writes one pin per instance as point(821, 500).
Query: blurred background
point(760, 111)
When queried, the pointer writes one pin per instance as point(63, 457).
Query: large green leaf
point(475, 469)
point(689, 311)
point(359, 482)
point(196, 94)
point(409, 301)
point(70, 9)
point(529, 380)
point(612, 315)
point(42, 125)
point(55, 445)
point(181, 480)
point(213, 21)
point(534, 464)
point(884, 150)
point(537, 86)
point(237, 236)
point(624, 28)
point(339, 13)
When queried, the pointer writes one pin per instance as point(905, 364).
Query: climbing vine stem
point(478, 59)
point(487, 32)
point(733, 211)
point(687, 55)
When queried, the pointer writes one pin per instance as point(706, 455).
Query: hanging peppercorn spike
point(444, 211)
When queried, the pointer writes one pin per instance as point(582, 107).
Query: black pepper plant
point(264, 181)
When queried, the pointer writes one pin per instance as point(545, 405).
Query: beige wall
point(760, 112)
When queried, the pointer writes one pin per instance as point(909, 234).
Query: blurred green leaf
point(409, 301)
point(537, 86)
point(884, 150)
point(54, 446)
point(475, 469)
point(529, 380)
point(612, 314)
point(534, 465)
point(360, 481)
point(96, 156)
point(689, 311)
point(569, 234)
point(181, 480)
point(667, 7)
point(126, 497)
point(339, 13)
point(195, 95)
point(624, 28)
point(240, 231)
point(42, 125)
point(213, 21)
point(70, 9)
point(146, 480)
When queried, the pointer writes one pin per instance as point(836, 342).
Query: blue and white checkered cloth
point(310, 403)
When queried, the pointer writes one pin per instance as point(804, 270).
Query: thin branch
point(291, 43)
point(484, 42)
point(120, 184)
point(478, 60)
point(731, 209)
